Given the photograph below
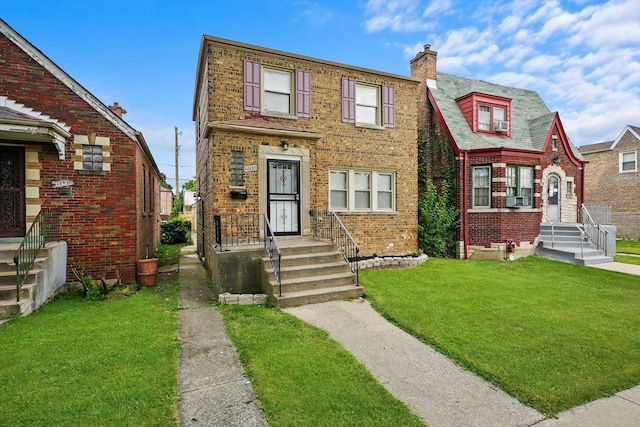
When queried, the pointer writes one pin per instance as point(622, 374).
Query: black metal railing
point(596, 233)
point(237, 230)
point(327, 225)
point(45, 229)
point(275, 256)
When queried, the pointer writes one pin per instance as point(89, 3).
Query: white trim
point(67, 80)
point(20, 108)
point(635, 161)
point(615, 141)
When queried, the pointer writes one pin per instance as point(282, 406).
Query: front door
point(12, 198)
point(553, 198)
point(283, 196)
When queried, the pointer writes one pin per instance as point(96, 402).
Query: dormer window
point(492, 118)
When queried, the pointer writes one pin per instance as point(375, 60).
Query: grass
point(626, 246)
point(169, 254)
point(100, 363)
point(304, 378)
point(554, 335)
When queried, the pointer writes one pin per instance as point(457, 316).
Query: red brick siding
point(100, 221)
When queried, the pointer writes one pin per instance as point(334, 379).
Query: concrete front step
point(9, 309)
point(325, 281)
point(574, 255)
point(316, 296)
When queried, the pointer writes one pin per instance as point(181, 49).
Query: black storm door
point(283, 196)
point(12, 199)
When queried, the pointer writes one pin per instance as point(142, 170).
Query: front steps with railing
point(9, 306)
point(565, 242)
point(312, 271)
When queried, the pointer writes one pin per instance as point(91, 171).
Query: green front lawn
point(628, 246)
point(304, 378)
point(76, 362)
point(552, 334)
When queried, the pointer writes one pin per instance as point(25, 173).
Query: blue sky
point(582, 56)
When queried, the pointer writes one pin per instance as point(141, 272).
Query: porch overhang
point(249, 126)
point(35, 131)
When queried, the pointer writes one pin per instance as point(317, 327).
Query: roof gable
point(631, 129)
point(531, 119)
point(40, 58)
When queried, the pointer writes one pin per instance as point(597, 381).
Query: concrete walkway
point(213, 390)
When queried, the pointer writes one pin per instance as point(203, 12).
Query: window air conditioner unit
point(517, 201)
point(501, 126)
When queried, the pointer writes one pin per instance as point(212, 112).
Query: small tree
point(437, 221)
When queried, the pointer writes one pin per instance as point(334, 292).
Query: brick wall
point(101, 221)
point(340, 145)
point(606, 185)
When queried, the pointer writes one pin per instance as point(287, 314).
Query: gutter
point(465, 195)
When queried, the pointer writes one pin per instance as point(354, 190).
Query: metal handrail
point(327, 225)
point(552, 229)
point(44, 229)
point(275, 256)
point(231, 230)
point(596, 234)
point(582, 233)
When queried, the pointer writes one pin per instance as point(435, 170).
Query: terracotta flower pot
point(149, 265)
point(148, 279)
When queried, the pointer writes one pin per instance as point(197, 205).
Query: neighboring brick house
point(613, 179)
point(512, 163)
point(284, 135)
point(60, 147)
point(166, 203)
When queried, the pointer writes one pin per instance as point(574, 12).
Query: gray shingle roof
point(531, 119)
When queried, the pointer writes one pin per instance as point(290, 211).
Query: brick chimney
point(116, 108)
point(423, 66)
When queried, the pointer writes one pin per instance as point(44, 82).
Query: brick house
point(613, 179)
point(512, 163)
point(286, 136)
point(62, 148)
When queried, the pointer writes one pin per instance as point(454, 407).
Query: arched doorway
point(553, 197)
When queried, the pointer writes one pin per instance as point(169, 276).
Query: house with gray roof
point(512, 163)
point(613, 180)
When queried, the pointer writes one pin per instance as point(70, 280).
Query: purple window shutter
point(252, 75)
point(388, 107)
point(303, 93)
point(348, 100)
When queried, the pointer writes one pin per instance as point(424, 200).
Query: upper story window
point(492, 118)
point(629, 161)
point(358, 190)
point(481, 187)
point(368, 104)
point(276, 91)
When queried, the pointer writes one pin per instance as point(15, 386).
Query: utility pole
point(177, 155)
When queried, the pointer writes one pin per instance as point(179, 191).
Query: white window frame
point(266, 90)
point(373, 190)
point(474, 187)
point(518, 182)
point(361, 103)
point(622, 162)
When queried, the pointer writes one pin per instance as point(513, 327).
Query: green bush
point(437, 222)
point(176, 231)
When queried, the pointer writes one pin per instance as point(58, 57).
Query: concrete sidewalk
point(213, 390)
point(435, 388)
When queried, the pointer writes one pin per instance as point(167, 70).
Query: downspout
point(465, 176)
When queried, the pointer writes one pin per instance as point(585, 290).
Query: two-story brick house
point(613, 179)
point(62, 148)
point(511, 160)
point(285, 135)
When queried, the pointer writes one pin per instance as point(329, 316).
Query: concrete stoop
point(565, 243)
point(45, 278)
point(311, 272)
